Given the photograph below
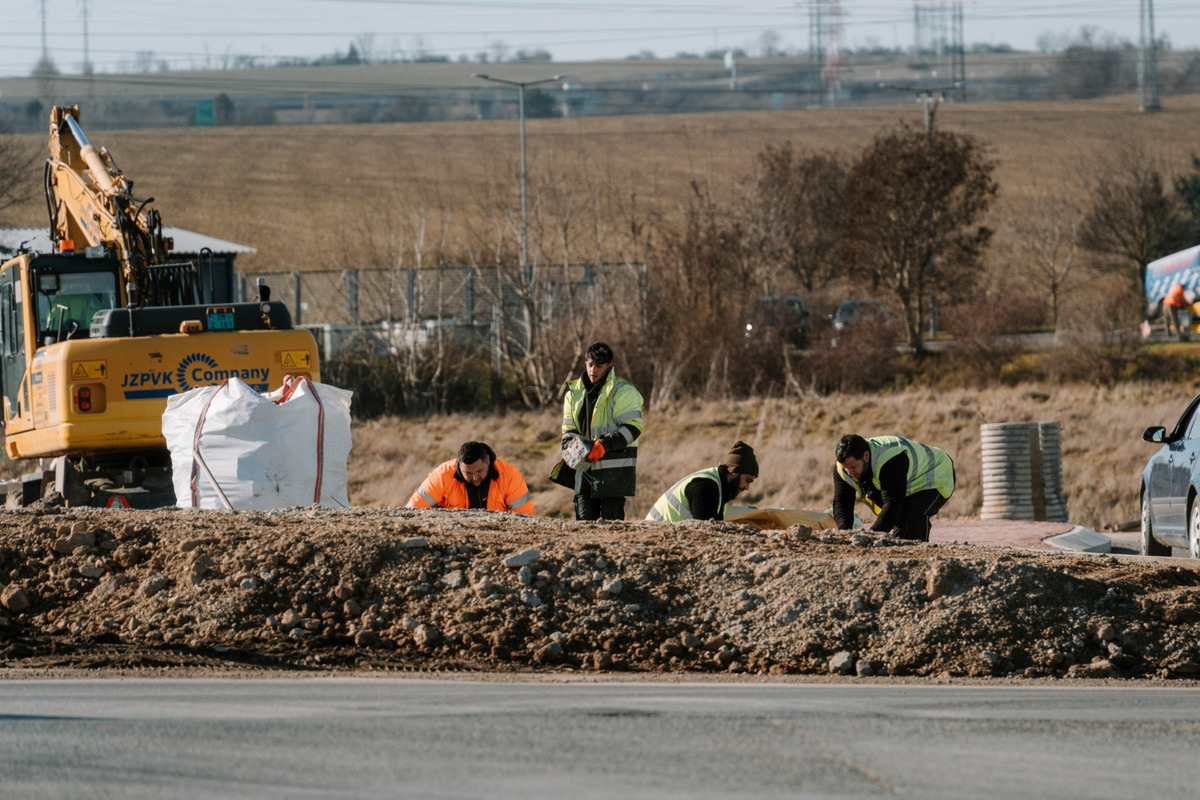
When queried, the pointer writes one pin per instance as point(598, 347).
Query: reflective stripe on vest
point(606, 417)
point(928, 467)
point(673, 506)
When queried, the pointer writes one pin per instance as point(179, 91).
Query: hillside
point(323, 197)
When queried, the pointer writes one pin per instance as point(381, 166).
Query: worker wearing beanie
point(707, 493)
point(902, 481)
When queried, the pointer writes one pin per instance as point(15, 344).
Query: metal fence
point(393, 310)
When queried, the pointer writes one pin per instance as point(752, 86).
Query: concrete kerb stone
point(1081, 539)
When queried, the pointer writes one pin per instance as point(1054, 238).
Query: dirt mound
point(394, 588)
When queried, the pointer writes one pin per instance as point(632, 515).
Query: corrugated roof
point(186, 242)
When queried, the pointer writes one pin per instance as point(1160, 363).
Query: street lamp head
point(519, 84)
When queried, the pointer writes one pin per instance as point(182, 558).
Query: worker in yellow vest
point(707, 493)
point(602, 413)
point(902, 481)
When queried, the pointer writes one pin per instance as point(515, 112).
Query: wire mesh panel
point(404, 308)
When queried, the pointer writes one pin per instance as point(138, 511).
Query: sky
point(196, 34)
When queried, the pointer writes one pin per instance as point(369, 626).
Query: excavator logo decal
point(201, 369)
point(195, 369)
point(203, 359)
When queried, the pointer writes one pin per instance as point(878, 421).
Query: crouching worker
point(476, 479)
point(902, 481)
point(707, 493)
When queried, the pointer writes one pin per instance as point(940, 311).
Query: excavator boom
point(91, 205)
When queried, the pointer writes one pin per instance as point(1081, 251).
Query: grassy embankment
point(1103, 453)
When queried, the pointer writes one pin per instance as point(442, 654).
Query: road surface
point(381, 737)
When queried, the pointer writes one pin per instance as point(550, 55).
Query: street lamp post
point(526, 269)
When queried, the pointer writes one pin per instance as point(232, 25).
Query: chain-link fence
point(400, 309)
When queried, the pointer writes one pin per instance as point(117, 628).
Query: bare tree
point(1046, 227)
point(1130, 215)
point(912, 205)
point(1187, 188)
point(1090, 66)
point(365, 42)
point(700, 285)
point(794, 209)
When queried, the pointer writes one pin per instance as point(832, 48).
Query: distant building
point(213, 257)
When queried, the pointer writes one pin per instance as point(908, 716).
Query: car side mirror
point(1156, 434)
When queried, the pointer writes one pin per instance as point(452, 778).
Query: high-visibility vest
point(928, 467)
point(673, 506)
point(507, 491)
point(1176, 297)
point(618, 403)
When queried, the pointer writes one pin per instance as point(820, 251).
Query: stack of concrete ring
point(1022, 471)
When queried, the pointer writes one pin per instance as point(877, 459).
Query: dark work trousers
point(918, 508)
point(590, 508)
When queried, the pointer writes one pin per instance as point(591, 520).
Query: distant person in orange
point(1175, 301)
point(476, 479)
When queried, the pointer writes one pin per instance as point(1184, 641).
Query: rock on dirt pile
point(395, 588)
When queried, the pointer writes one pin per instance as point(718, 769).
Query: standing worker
point(902, 481)
point(1175, 302)
point(604, 412)
point(476, 479)
point(707, 493)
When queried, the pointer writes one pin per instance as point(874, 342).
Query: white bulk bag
point(232, 447)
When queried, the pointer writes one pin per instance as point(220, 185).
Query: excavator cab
point(69, 293)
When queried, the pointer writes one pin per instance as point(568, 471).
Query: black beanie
point(741, 460)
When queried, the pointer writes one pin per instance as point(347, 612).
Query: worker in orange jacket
point(1176, 301)
point(476, 479)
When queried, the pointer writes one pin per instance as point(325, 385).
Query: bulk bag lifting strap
point(234, 448)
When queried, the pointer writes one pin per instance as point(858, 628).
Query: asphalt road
point(379, 737)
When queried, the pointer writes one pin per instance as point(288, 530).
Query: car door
point(1181, 453)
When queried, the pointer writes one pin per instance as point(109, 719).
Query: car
point(851, 313)
point(784, 315)
point(1170, 484)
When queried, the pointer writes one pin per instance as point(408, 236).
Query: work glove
point(597, 451)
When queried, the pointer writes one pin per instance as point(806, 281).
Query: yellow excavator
point(97, 334)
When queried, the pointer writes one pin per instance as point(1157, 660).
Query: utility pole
point(929, 99)
point(526, 268)
point(521, 86)
point(87, 60)
point(45, 50)
point(938, 41)
point(1147, 59)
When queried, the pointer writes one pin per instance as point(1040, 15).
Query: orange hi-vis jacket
point(1175, 297)
point(443, 488)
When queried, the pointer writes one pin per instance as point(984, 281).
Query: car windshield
point(854, 309)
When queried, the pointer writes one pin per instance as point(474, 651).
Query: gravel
point(392, 588)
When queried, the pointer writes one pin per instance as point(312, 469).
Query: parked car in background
point(852, 313)
point(1170, 507)
point(785, 316)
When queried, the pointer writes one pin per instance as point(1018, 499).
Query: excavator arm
point(91, 204)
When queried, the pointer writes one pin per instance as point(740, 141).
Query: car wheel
point(1150, 545)
point(1194, 530)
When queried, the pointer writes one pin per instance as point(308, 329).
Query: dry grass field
point(1103, 453)
point(317, 197)
point(328, 197)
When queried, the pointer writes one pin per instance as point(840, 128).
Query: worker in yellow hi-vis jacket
point(902, 481)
